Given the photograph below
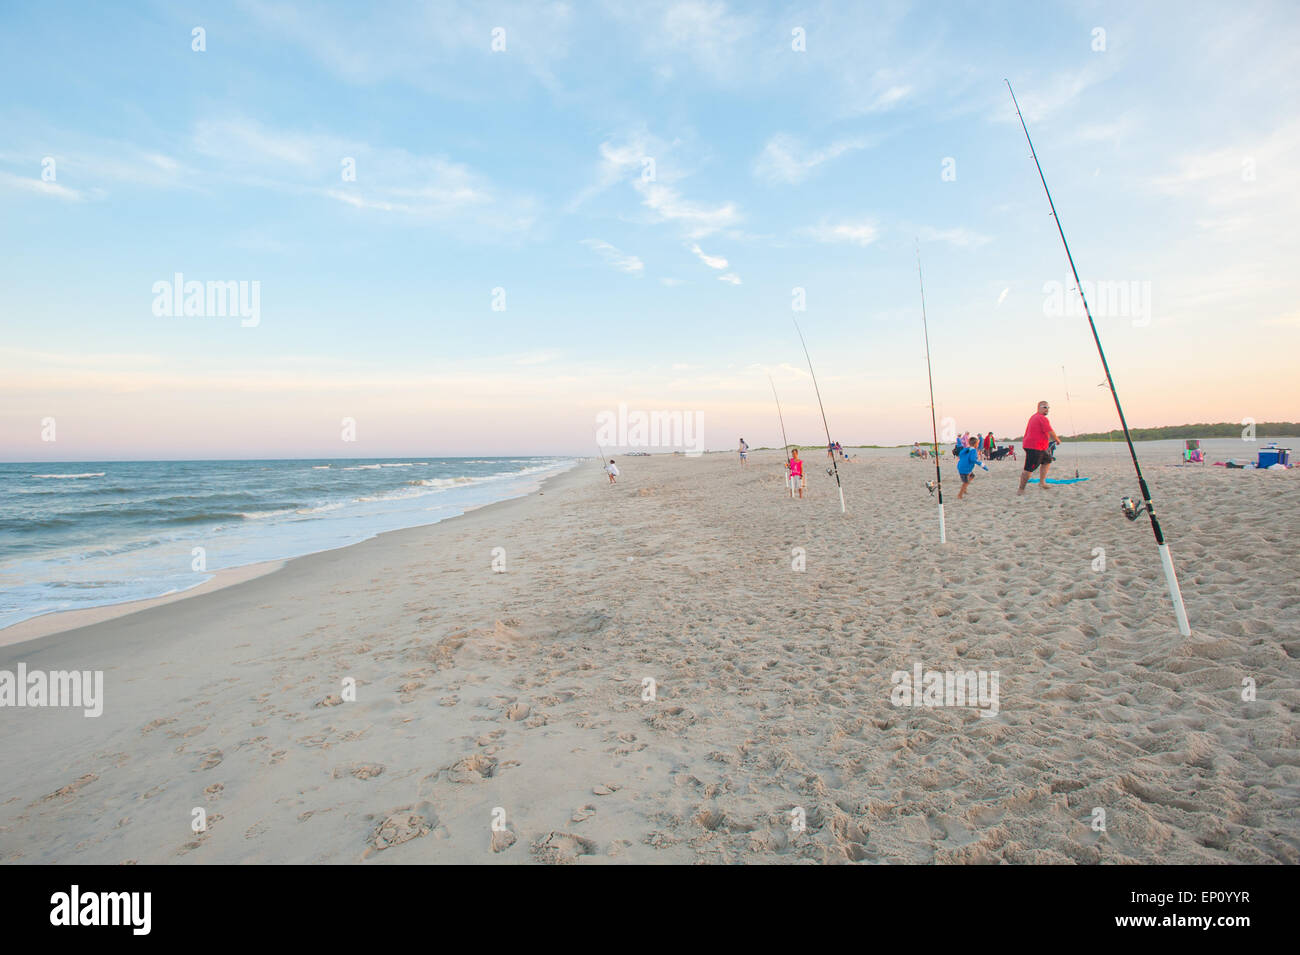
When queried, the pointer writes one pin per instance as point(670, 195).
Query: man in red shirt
point(1038, 434)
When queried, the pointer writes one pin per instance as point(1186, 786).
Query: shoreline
point(62, 621)
point(58, 621)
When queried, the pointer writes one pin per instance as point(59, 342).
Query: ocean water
point(93, 533)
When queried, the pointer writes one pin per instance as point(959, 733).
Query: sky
point(474, 228)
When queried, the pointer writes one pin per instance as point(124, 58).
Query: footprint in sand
point(211, 759)
point(672, 718)
point(401, 825)
point(359, 770)
point(562, 848)
point(472, 769)
point(72, 787)
point(256, 830)
point(210, 823)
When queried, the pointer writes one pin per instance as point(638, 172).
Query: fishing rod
point(829, 443)
point(1074, 430)
point(934, 426)
point(1131, 510)
point(789, 478)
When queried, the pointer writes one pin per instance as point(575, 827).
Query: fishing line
point(789, 478)
point(829, 444)
point(1073, 430)
point(934, 425)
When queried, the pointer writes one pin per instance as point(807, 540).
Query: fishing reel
point(1131, 508)
point(931, 486)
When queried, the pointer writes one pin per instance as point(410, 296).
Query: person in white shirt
point(612, 470)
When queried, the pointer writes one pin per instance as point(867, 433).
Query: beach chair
point(1192, 453)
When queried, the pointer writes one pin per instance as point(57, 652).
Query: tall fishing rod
point(785, 445)
point(1066, 382)
point(934, 426)
point(830, 445)
point(1131, 509)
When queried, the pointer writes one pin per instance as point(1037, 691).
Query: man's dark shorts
point(965, 478)
point(1034, 458)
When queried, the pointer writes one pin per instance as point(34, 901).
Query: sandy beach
point(502, 717)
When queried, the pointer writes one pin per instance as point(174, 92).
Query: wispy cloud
point(961, 237)
point(698, 219)
point(712, 261)
point(645, 161)
point(38, 187)
point(357, 174)
point(889, 97)
point(1045, 97)
point(704, 37)
point(620, 158)
point(731, 278)
point(620, 261)
point(857, 233)
point(1245, 194)
point(366, 52)
point(786, 159)
point(96, 163)
point(1244, 171)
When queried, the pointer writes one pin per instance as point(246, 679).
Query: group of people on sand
point(984, 445)
point(971, 450)
point(1039, 442)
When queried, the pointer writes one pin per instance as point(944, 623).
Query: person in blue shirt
point(966, 461)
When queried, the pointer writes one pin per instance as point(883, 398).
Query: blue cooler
point(1271, 456)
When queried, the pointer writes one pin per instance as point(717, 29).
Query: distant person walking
point(744, 450)
point(1038, 436)
point(796, 469)
point(612, 470)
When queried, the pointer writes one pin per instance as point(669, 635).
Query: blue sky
point(1173, 154)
